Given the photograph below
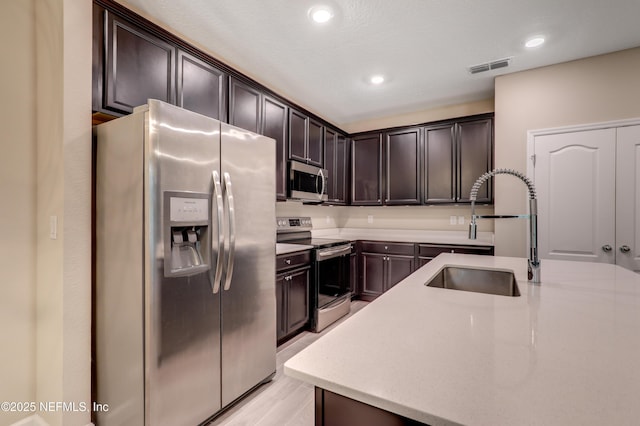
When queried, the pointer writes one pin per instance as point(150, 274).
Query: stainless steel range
point(330, 291)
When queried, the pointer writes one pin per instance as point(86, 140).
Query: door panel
point(575, 180)
point(439, 169)
point(628, 197)
point(398, 268)
point(182, 350)
point(249, 303)
point(373, 274)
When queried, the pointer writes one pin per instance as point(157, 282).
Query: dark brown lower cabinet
point(292, 301)
point(383, 265)
point(337, 410)
point(426, 252)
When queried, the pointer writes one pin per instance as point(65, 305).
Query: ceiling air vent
point(488, 66)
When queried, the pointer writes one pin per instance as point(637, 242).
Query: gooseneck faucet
point(533, 269)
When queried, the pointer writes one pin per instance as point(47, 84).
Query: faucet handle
point(473, 229)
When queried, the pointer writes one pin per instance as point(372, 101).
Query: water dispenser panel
point(186, 240)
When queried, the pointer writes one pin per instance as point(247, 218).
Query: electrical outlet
point(460, 220)
point(370, 218)
point(452, 220)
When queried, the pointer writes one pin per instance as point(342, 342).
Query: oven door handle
point(331, 253)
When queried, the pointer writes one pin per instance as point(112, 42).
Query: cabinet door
point(398, 268)
point(402, 167)
point(353, 273)
point(298, 299)
point(298, 135)
point(274, 125)
point(342, 159)
point(330, 153)
point(475, 157)
point(439, 164)
point(366, 170)
point(244, 106)
point(315, 143)
point(281, 306)
point(138, 67)
point(373, 278)
point(200, 87)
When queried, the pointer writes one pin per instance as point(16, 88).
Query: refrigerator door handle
point(231, 215)
point(216, 207)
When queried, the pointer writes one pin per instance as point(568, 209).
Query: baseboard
point(35, 420)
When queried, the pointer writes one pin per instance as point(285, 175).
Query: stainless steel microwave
point(307, 183)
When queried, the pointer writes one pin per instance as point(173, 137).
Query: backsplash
point(387, 217)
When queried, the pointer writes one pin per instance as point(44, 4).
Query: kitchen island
point(565, 352)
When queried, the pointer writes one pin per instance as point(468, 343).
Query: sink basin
point(490, 281)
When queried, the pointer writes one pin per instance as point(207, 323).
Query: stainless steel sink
point(490, 281)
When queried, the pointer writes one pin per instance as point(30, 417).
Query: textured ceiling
point(423, 47)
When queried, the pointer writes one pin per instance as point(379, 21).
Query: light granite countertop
point(566, 352)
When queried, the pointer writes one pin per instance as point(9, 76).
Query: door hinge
point(533, 159)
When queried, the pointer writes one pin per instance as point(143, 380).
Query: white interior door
point(628, 198)
point(575, 179)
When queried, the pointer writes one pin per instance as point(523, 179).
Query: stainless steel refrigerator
point(185, 315)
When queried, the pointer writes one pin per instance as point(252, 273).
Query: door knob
point(625, 249)
point(606, 248)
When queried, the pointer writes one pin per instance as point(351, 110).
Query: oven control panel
point(293, 224)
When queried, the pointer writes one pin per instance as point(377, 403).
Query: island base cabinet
point(337, 410)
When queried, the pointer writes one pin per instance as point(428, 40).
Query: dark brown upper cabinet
point(335, 161)
point(138, 66)
point(315, 145)
point(201, 87)
point(440, 164)
point(245, 105)
point(366, 170)
point(475, 157)
point(402, 166)
point(274, 125)
point(306, 138)
point(455, 155)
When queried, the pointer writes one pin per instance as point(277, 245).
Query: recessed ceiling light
point(320, 14)
point(535, 42)
point(377, 79)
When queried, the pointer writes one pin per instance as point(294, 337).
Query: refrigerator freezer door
point(182, 315)
point(249, 303)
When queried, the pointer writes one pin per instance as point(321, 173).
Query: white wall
point(597, 89)
point(18, 205)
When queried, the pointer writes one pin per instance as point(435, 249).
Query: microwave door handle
point(323, 183)
point(231, 215)
point(216, 207)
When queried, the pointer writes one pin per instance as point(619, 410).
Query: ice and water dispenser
point(187, 249)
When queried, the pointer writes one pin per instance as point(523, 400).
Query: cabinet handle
point(606, 248)
point(287, 261)
point(625, 249)
point(288, 278)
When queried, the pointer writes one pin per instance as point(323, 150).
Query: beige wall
point(18, 205)
point(63, 53)
point(597, 89)
point(423, 116)
point(386, 217)
point(45, 308)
